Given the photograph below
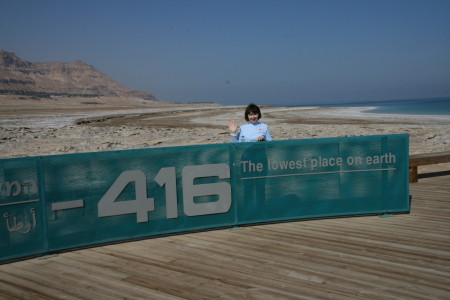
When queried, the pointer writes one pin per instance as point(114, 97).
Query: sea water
point(413, 107)
point(425, 106)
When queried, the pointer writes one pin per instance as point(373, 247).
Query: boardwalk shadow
point(434, 174)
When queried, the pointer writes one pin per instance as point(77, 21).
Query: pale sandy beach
point(48, 127)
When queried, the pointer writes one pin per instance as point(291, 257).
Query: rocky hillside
point(77, 78)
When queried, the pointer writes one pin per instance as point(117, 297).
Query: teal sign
point(53, 203)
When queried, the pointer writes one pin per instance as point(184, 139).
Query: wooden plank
point(400, 257)
point(417, 160)
point(429, 158)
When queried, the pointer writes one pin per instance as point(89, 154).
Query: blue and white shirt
point(251, 131)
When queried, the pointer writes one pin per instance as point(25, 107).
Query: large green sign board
point(54, 203)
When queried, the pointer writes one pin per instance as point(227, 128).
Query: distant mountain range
point(21, 77)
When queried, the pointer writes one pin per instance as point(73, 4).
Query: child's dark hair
point(252, 108)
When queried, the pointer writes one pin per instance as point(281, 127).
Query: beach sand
point(61, 126)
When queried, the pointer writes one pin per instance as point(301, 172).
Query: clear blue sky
point(236, 52)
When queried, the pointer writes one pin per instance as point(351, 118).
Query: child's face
point(252, 117)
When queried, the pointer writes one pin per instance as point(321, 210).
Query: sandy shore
point(47, 127)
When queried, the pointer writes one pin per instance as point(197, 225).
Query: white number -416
point(109, 206)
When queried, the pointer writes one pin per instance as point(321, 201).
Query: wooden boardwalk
point(399, 257)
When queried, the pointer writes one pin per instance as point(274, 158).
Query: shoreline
point(364, 112)
point(61, 120)
point(71, 127)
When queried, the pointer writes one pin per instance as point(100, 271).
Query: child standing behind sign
point(253, 131)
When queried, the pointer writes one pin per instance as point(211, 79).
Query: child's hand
point(232, 126)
